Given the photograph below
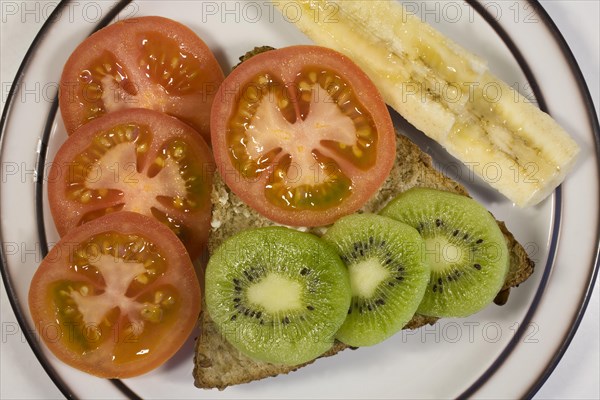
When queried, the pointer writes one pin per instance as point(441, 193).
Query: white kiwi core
point(440, 253)
point(276, 293)
point(365, 276)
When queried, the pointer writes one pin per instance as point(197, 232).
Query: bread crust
point(217, 364)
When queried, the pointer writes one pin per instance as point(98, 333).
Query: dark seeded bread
point(218, 364)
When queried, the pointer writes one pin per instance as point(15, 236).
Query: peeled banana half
point(443, 90)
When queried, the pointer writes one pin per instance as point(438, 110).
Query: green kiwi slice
point(387, 275)
point(277, 295)
point(464, 247)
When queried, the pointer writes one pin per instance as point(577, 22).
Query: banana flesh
point(447, 93)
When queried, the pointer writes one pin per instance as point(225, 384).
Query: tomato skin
point(121, 42)
point(55, 267)
point(285, 65)
point(67, 212)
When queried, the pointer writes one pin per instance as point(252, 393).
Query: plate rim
point(583, 91)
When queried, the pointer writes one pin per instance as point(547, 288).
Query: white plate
point(481, 355)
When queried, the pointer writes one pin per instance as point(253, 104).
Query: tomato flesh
point(304, 137)
point(135, 160)
point(147, 62)
point(122, 293)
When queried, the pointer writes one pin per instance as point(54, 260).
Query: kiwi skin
point(388, 276)
point(287, 338)
point(464, 281)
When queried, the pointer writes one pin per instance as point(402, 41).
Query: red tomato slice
point(116, 297)
point(146, 62)
point(135, 160)
point(302, 135)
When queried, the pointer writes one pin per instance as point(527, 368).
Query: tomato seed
point(160, 162)
point(142, 148)
point(104, 142)
point(158, 296)
point(364, 142)
point(283, 103)
point(344, 96)
point(178, 153)
point(169, 301)
point(356, 151)
point(263, 79)
point(326, 82)
point(304, 85)
point(86, 196)
point(178, 202)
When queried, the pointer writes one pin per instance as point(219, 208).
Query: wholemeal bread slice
point(218, 364)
